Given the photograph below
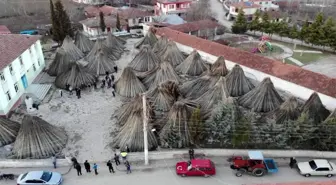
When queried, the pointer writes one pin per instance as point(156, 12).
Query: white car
point(317, 167)
point(40, 177)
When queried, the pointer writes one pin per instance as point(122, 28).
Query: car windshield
point(23, 176)
point(312, 164)
point(46, 176)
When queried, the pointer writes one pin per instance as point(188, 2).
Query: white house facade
point(18, 74)
point(90, 2)
point(166, 7)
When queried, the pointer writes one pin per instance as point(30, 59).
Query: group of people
point(69, 88)
point(109, 81)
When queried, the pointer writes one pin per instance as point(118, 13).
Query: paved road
point(164, 174)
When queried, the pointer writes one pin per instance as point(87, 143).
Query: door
point(24, 81)
point(322, 171)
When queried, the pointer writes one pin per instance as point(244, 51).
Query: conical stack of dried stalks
point(177, 120)
point(289, 110)
point(135, 105)
point(263, 98)
point(131, 134)
point(165, 72)
point(61, 63)
point(315, 109)
point(149, 39)
point(83, 43)
point(237, 83)
point(101, 65)
point(71, 49)
point(172, 54)
point(219, 67)
point(8, 131)
point(128, 84)
point(160, 45)
point(193, 65)
point(114, 43)
point(216, 94)
point(38, 139)
point(145, 60)
point(101, 47)
point(76, 77)
point(164, 96)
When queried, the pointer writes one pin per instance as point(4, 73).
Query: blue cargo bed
point(271, 166)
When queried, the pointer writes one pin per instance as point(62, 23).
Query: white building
point(165, 7)
point(21, 60)
point(90, 2)
point(250, 7)
point(266, 5)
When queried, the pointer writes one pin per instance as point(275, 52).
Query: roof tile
point(314, 81)
point(195, 26)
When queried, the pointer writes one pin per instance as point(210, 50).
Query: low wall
point(175, 154)
point(288, 87)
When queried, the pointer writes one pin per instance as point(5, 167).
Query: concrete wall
point(33, 64)
point(91, 2)
point(288, 87)
point(247, 11)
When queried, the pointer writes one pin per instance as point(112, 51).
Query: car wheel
point(307, 175)
point(329, 175)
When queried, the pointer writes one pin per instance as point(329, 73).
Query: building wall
point(30, 58)
point(92, 32)
point(247, 11)
point(91, 2)
point(167, 8)
point(139, 21)
point(288, 87)
point(266, 4)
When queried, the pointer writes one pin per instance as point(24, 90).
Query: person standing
point(128, 167)
point(191, 153)
point(109, 83)
point(53, 158)
point(292, 162)
point(110, 167)
point(87, 166)
point(95, 168)
point(113, 85)
point(116, 159)
point(70, 90)
point(113, 92)
point(79, 169)
point(127, 149)
point(116, 69)
point(79, 93)
point(112, 77)
point(61, 93)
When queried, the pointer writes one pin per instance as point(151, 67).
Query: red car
point(196, 167)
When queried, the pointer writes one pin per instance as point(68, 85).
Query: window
point(21, 61)
point(38, 62)
point(2, 77)
point(171, 6)
point(8, 96)
point(34, 67)
point(312, 164)
point(11, 69)
point(46, 176)
point(16, 87)
point(322, 169)
point(23, 176)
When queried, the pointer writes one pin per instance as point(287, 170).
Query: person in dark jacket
point(292, 162)
point(79, 169)
point(128, 167)
point(127, 149)
point(112, 77)
point(116, 69)
point(87, 166)
point(110, 167)
point(116, 159)
point(191, 153)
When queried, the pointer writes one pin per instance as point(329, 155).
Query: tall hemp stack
point(76, 77)
point(114, 42)
point(315, 109)
point(134, 105)
point(165, 72)
point(71, 49)
point(83, 42)
point(149, 39)
point(237, 83)
point(8, 131)
point(128, 85)
point(145, 60)
point(101, 47)
point(289, 110)
point(101, 65)
point(219, 67)
point(177, 122)
point(263, 98)
point(38, 139)
point(160, 46)
point(132, 134)
point(172, 54)
point(60, 64)
point(164, 96)
point(193, 65)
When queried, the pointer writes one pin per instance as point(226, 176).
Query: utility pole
point(145, 123)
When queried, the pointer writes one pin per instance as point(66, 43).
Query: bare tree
point(199, 10)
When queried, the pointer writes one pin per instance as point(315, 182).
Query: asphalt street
point(163, 173)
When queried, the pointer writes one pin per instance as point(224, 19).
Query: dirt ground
point(19, 15)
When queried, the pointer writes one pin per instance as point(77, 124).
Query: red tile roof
point(195, 26)
point(314, 81)
point(131, 13)
point(13, 45)
point(245, 5)
point(4, 30)
point(110, 21)
point(93, 11)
